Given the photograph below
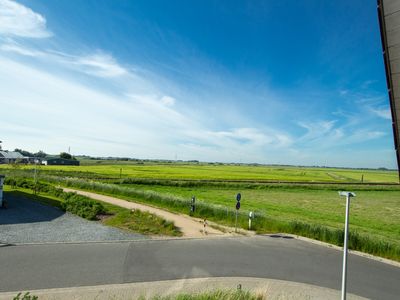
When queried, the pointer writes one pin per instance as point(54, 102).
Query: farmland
point(277, 194)
point(220, 172)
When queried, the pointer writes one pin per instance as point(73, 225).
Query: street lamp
point(348, 195)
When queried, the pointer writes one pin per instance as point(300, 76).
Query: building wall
point(60, 162)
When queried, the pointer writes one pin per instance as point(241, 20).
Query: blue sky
point(279, 82)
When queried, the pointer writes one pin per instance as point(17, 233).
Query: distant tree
point(65, 155)
point(24, 152)
point(40, 154)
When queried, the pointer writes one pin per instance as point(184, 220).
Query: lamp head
point(347, 194)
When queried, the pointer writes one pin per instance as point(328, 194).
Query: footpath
point(189, 226)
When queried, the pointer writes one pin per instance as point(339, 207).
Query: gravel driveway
point(27, 221)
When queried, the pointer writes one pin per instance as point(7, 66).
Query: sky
point(272, 82)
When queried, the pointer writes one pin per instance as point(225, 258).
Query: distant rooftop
point(11, 154)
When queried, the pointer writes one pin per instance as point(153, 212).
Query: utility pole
point(348, 195)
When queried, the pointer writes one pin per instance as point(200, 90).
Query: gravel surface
point(27, 221)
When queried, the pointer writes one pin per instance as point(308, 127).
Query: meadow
point(303, 201)
point(226, 172)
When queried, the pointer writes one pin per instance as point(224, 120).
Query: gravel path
point(27, 221)
point(190, 227)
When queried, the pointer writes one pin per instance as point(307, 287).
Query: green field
point(229, 172)
point(372, 212)
point(278, 195)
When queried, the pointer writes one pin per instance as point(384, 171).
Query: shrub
point(82, 206)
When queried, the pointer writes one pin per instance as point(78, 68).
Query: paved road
point(49, 266)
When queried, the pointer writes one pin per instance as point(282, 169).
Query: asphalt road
point(29, 267)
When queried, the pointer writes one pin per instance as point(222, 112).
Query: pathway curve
point(190, 227)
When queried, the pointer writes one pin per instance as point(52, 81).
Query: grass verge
point(134, 221)
point(215, 295)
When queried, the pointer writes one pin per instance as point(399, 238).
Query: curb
point(269, 288)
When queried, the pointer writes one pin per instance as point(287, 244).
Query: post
point(250, 218)
point(35, 178)
point(120, 173)
point(236, 221)
point(346, 232)
point(238, 197)
point(345, 246)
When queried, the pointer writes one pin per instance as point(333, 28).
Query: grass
point(215, 295)
point(191, 171)
point(142, 222)
point(372, 212)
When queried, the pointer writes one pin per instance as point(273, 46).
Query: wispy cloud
point(316, 129)
point(383, 112)
point(99, 64)
point(20, 21)
point(167, 100)
point(14, 47)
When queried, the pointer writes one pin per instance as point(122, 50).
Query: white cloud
point(168, 101)
point(382, 112)
point(18, 49)
point(100, 64)
point(316, 129)
point(138, 125)
point(19, 20)
point(62, 111)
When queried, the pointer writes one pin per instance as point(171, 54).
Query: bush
point(82, 206)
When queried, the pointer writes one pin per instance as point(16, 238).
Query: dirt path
point(190, 227)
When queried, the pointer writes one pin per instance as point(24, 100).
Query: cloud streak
point(382, 113)
point(99, 64)
point(17, 20)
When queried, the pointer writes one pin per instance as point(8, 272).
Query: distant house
point(9, 157)
point(56, 161)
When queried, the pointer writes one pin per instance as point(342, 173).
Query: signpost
point(192, 205)
point(348, 195)
point(238, 197)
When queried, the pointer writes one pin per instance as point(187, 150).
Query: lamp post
point(348, 195)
